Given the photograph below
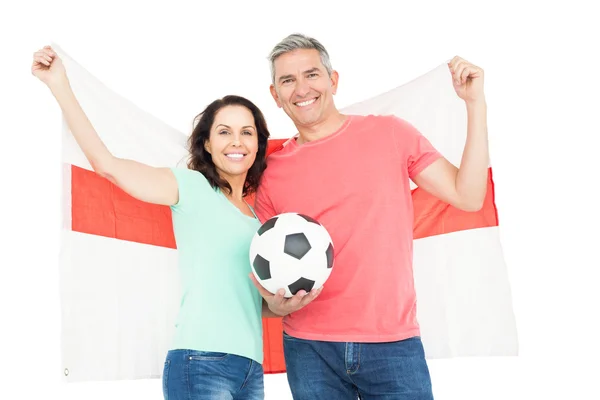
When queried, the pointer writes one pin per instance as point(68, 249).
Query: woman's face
point(233, 141)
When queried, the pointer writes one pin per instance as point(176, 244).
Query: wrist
point(58, 85)
point(476, 105)
point(278, 314)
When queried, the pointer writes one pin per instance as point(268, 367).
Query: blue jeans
point(369, 371)
point(191, 375)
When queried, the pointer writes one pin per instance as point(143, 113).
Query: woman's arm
point(144, 182)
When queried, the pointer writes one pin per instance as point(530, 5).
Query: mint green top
point(220, 307)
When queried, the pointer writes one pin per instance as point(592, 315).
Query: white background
point(542, 89)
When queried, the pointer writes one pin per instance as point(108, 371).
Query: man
point(360, 336)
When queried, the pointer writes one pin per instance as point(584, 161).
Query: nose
point(302, 87)
point(235, 141)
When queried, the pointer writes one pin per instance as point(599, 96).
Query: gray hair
point(298, 41)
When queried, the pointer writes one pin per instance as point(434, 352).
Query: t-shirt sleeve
point(415, 148)
point(263, 207)
point(193, 188)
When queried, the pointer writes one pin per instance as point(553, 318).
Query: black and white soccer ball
point(291, 251)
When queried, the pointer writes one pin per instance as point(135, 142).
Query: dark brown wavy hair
point(201, 160)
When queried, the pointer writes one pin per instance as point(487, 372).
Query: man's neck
point(320, 130)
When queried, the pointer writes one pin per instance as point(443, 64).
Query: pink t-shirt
point(355, 182)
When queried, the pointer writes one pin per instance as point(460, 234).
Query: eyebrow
point(228, 127)
point(308, 71)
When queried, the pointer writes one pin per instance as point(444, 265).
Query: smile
point(235, 156)
point(306, 103)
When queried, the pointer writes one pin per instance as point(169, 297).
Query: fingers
point(44, 56)
point(455, 61)
point(301, 299)
point(457, 67)
point(462, 70)
point(464, 74)
point(278, 301)
point(279, 298)
point(48, 50)
point(459, 77)
point(311, 296)
point(293, 302)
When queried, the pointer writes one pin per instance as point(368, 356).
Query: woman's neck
point(237, 187)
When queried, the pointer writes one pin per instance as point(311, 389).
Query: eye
point(223, 132)
point(247, 133)
point(313, 75)
point(286, 81)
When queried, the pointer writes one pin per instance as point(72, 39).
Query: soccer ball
point(291, 251)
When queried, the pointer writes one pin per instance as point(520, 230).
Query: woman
point(217, 350)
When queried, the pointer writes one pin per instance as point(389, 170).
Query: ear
point(207, 146)
point(334, 81)
point(275, 96)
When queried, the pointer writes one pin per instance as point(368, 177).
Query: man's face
point(303, 88)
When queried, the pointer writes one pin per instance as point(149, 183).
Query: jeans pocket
point(165, 379)
point(208, 355)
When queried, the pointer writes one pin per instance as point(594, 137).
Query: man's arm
point(266, 311)
point(465, 187)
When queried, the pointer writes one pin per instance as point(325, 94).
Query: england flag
point(118, 262)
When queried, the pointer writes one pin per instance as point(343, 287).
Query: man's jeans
point(345, 371)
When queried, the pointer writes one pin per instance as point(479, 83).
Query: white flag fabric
point(118, 260)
